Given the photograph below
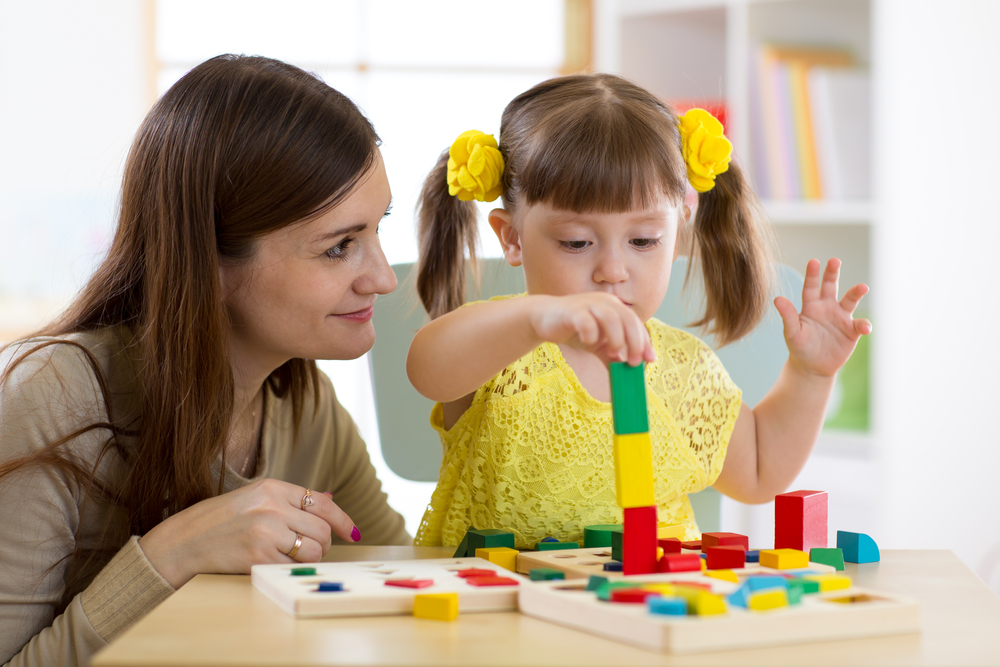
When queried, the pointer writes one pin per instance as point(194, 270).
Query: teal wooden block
point(739, 597)
point(628, 398)
point(596, 582)
point(763, 582)
point(545, 574)
point(617, 540)
point(556, 546)
point(600, 535)
point(796, 589)
point(808, 586)
point(857, 547)
point(669, 606)
point(831, 557)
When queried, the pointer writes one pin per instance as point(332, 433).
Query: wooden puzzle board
point(816, 618)
point(577, 563)
point(366, 593)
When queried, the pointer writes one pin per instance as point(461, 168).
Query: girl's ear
point(503, 226)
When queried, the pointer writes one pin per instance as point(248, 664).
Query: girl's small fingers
point(613, 332)
point(853, 297)
point(831, 277)
point(789, 316)
point(863, 326)
point(811, 284)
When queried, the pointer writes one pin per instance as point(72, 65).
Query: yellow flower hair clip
point(475, 167)
point(706, 150)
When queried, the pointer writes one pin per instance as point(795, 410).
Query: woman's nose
point(383, 278)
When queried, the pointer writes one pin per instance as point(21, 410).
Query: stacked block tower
point(634, 468)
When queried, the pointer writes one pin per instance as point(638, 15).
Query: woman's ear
point(503, 226)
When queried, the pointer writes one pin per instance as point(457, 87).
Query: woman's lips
point(358, 315)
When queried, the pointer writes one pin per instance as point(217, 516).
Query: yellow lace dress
point(533, 453)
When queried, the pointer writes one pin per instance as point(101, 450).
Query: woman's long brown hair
point(599, 143)
point(237, 148)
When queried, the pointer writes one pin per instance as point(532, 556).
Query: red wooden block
point(639, 540)
point(692, 544)
point(800, 520)
point(491, 581)
point(724, 539)
point(679, 563)
point(725, 557)
point(631, 595)
point(476, 572)
point(670, 545)
point(410, 583)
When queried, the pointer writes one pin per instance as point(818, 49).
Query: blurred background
point(868, 127)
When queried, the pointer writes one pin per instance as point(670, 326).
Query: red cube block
point(679, 563)
point(630, 595)
point(670, 545)
point(800, 520)
point(639, 540)
point(692, 544)
point(724, 539)
point(491, 581)
point(725, 557)
point(410, 583)
point(476, 572)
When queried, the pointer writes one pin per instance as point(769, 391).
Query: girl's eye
point(339, 251)
point(645, 243)
point(574, 245)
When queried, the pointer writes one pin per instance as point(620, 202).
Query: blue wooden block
point(330, 587)
point(740, 596)
point(857, 547)
point(753, 556)
point(613, 566)
point(761, 582)
point(669, 606)
point(549, 539)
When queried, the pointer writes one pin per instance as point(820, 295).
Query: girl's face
point(563, 252)
point(309, 290)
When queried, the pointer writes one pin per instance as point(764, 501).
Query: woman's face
point(309, 290)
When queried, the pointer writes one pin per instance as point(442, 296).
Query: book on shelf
point(802, 101)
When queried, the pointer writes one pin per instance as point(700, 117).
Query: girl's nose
point(610, 269)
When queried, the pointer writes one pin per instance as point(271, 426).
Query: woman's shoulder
point(66, 360)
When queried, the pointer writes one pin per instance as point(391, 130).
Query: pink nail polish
point(356, 534)
point(328, 493)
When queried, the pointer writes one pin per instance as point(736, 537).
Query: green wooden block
point(796, 590)
point(463, 546)
point(556, 546)
point(303, 571)
point(628, 398)
point(617, 539)
point(808, 586)
point(596, 582)
point(600, 535)
point(832, 557)
point(604, 590)
point(545, 574)
point(485, 538)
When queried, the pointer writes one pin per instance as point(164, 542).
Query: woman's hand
point(595, 322)
point(822, 337)
point(249, 526)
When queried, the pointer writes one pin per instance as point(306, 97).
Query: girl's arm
point(459, 352)
point(771, 442)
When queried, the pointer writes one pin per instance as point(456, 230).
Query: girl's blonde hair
point(599, 143)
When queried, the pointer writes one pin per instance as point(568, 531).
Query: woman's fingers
point(301, 549)
point(334, 517)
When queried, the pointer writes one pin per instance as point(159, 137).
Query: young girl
point(593, 171)
point(172, 421)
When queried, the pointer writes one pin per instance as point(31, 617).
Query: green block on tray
point(556, 546)
point(628, 398)
point(617, 539)
point(303, 571)
point(832, 557)
point(545, 574)
point(596, 582)
point(483, 538)
point(600, 535)
point(808, 586)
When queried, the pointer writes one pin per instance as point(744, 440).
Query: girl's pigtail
point(446, 230)
point(732, 243)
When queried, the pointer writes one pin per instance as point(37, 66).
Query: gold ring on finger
point(295, 547)
point(307, 500)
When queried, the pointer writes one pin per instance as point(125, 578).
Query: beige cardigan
point(53, 392)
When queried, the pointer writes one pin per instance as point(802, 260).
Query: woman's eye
point(339, 251)
point(574, 245)
point(645, 243)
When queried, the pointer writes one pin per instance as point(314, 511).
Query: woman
point(172, 420)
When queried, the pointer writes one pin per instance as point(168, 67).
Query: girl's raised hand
point(595, 322)
point(822, 337)
point(252, 525)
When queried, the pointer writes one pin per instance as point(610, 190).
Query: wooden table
point(222, 620)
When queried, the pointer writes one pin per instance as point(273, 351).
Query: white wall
point(937, 361)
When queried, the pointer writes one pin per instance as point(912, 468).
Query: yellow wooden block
point(665, 530)
point(704, 565)
point(784, 559)
point(770, 599)
point(436, 606)
point(502, 556)
point(829, 582)
point(659, 553)
point(666, 590)
point(725, 575)
point(634, 470)
point(706, 604)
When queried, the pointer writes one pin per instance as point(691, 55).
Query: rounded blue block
point(667, 605)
